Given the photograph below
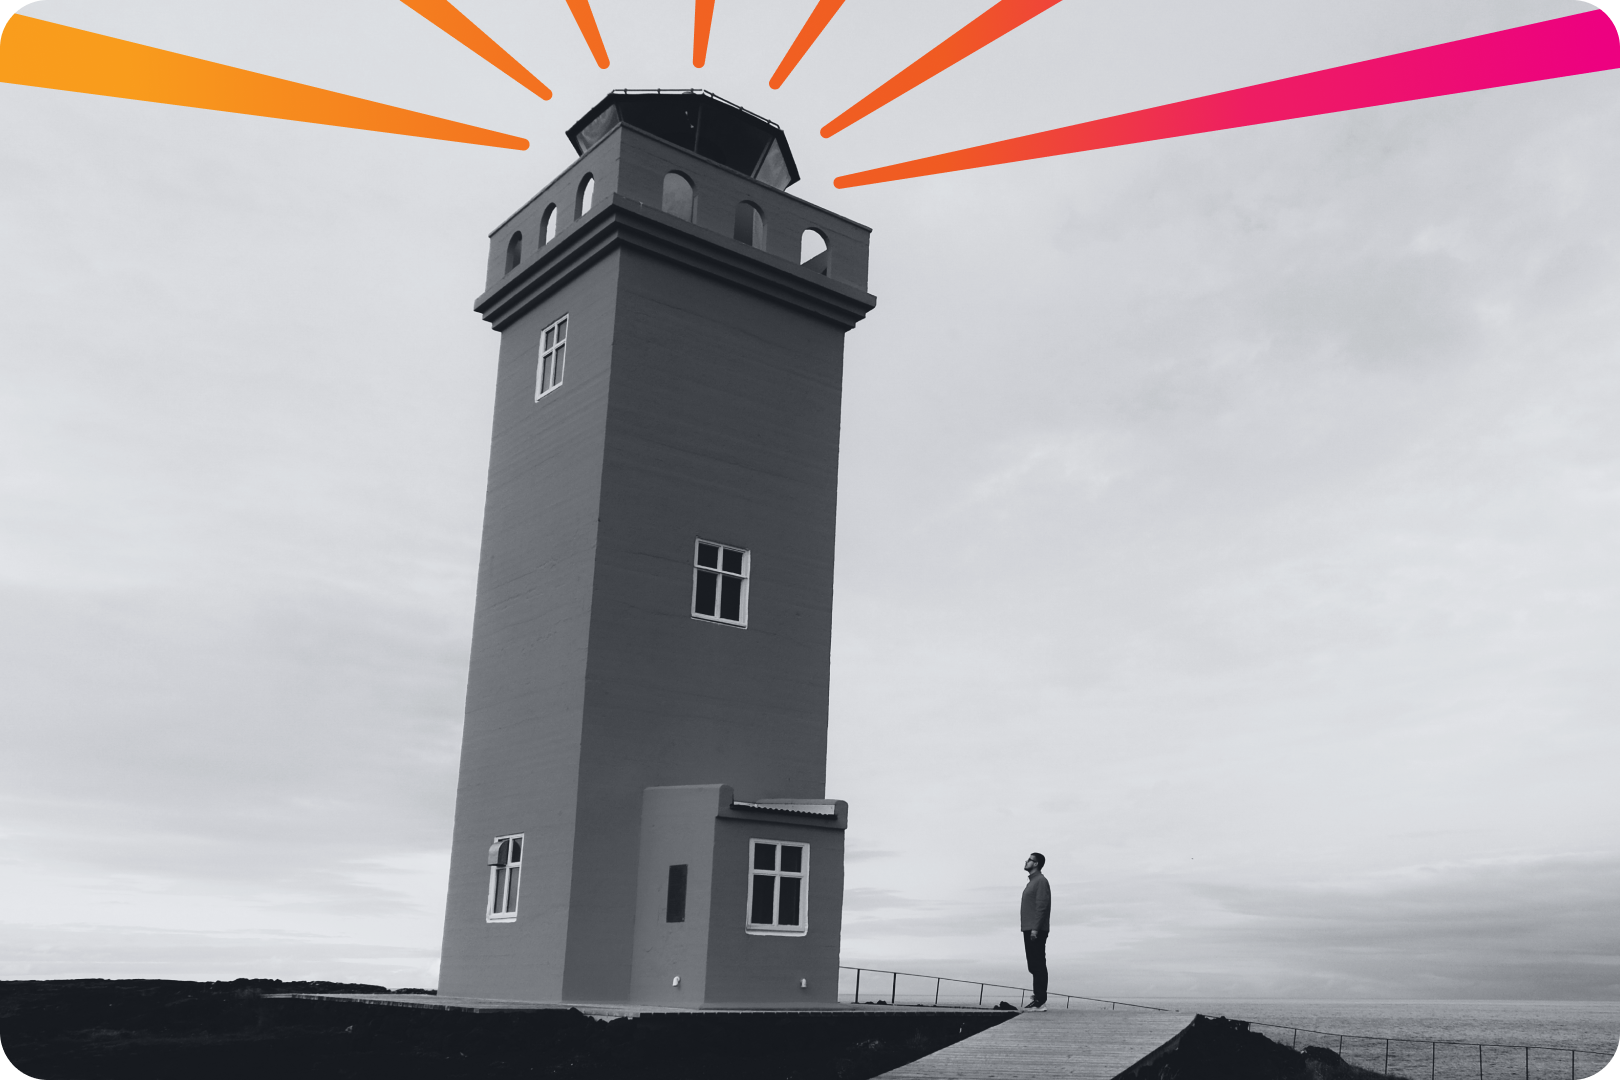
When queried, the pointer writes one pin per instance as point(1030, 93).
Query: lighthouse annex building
point(641, 813)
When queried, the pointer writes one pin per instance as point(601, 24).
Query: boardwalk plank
point(1062, 1044)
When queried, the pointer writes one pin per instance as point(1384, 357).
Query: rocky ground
point(133, 1029)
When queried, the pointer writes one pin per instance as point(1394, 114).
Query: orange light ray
point(34, 52)
point(446, 17)
point(813, 26)
point(702, 19)
point(587, 25)
point(999, 19)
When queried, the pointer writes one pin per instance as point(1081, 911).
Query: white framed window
point(505, 876)
point(720, 583)
point(778, 888)
point(553, 352)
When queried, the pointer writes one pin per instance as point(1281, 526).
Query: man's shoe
point(1035, 1006)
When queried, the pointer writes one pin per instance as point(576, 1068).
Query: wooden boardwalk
point(1060, 1044)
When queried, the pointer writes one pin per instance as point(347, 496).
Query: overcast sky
point(1232, 519)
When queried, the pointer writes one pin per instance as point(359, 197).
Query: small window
point(720, 584)
point(553, 354)
point(587, 195)
point(777, 876)
point(505, 874)
point(678, 196)
point(548, 224)
point(514, 252)
point(675, 902)
point(749, 225)
point(813, 251)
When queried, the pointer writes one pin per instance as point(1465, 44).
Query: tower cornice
point(621, 222)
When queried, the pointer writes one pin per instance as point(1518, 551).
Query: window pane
point(499, 904)
point(562, 329)
point(732, 561)
point(557, 365)
point(703, 603)
point(675, 905)
point(517, 849)
point(731, 599)
point(708, 555)
point(792, 858)
point(512, 889)
point(550, 338)
point(760, 910)
point(503, 856)
point(789, 915)
point(764, 856)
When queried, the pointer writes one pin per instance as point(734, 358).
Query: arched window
point(813, 251)
point(548, 224)
point(514, 252)
point(678, 196)
point(749, 225)
point(587, 192)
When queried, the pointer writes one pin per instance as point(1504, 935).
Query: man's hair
point(1040, 860)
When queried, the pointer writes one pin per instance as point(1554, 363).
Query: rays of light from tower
point(997, 20)
point(813, 26)
point(581, 10)
point(702, 19)
point(446, 17)
point(34, 52)
point(1571, 45)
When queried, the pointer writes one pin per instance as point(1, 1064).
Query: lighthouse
point(641, 813)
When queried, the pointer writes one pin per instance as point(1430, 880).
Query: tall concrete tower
point(641, 813)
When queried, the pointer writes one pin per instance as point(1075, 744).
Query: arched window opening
point(587, 194)
point(678, 196)
point(514, 252)
point(813, 251)
point(749, 225)
point(548, 223)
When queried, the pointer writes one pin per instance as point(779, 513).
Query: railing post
point(981, 995)
point(857, 986)
point(1481, 1061)
point(1431, 1061)
point(1527, 1063)
point(1386, 1058)
point(1296, 1038)
point(1020, 997)
point(894, 988)
point(1571, 1066)
point(936, 993)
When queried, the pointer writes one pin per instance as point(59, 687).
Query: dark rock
point(1215, 1048)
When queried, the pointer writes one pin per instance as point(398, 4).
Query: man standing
point(1034, 922)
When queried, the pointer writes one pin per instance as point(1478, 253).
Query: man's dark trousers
point(1035, 957)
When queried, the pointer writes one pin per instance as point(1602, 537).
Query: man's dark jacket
point(1035, 910)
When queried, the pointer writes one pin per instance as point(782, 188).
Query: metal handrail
point(1434, 1043)
point(1068, 999)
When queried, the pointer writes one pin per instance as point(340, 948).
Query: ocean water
point(1411, 1027)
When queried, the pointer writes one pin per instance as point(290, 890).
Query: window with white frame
point(553, 351)
point(778, 873)
point(720, 584)
point(505, 875)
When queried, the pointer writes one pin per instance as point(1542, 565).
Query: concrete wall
point(719, 962)
point(750, 969)
point(526, 683)
point(677, 826)
point(723, 424)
